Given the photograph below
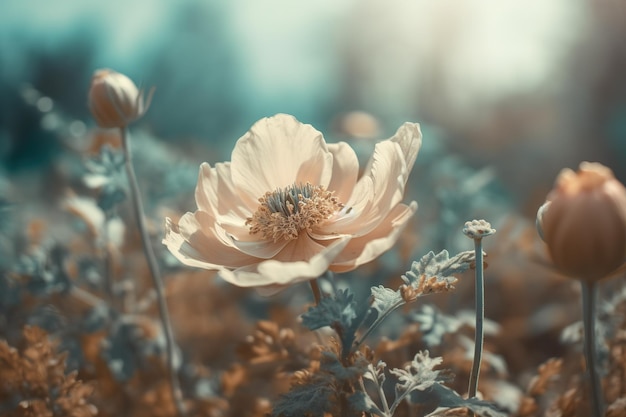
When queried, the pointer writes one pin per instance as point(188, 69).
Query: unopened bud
point(114, 100)
point(584, 222)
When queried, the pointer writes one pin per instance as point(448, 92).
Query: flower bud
point(114, 100)
point(583, 222)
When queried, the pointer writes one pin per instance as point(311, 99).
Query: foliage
point(34, 382)
point(84, 284)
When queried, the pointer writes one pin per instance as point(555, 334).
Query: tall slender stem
point(155, 274)
point(480, 318)
point(589, 290)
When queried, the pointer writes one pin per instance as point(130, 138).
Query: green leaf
point(434, 324)
point(418, 375)
point(340, 309)
point(312, 400)
point(440, 266)
point(362, 402)
point(448, 398)
point(384, 299)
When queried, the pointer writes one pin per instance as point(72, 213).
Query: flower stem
point(480, 319)
point(589, 290)
point(316, 291)
point(155, 274)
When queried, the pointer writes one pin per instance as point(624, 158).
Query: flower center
point(282, 214)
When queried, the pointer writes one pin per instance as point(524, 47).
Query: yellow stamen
point(283, 213)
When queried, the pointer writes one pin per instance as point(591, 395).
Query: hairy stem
point(589, 290)
point(480, 319)
point(155, 274)
point(376, 322)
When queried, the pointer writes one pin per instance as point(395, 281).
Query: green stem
point(480, 319)
point(155, 274)
point(376, 322)
point(589, 290)
point(383, 399)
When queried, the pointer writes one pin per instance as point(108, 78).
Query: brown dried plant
point(34, 382)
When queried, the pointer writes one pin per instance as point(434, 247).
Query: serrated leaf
point(331, 311)
point(434, 324)
point(448, 398)
point(338, 312)
point(312, 399)
point(362, 402)
point(384, 299)
point(440, 266)
point(376, 374)
point(332, 365)
point(418, 375)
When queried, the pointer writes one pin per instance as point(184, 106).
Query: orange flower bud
point(583, 222)
point(114, 100)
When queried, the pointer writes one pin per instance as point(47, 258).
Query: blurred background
point(522, 87)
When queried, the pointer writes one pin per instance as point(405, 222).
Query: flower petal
point(263, 249)
point(317, 259)
point(380, 190)
point(277, 152)
point(361, 250)
point(382, 186)
point(276, 272)
point(197, 245)
point(345, 170)
point(216, 194)
point(409, 137)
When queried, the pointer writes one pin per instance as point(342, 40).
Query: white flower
point(289, 207)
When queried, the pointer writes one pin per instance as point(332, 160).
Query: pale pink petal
point(348, 220)
point(200, 247)
point(274, 272)
point(345, 170)
point(277, 152)
point(263, 249)
point(389, 170)
point(409, 137)
point(387, 175)
point(382, 185)
point(361, 250)
point(216, 194)
point(288, 272)
point(245, 276)
point(269, 290)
